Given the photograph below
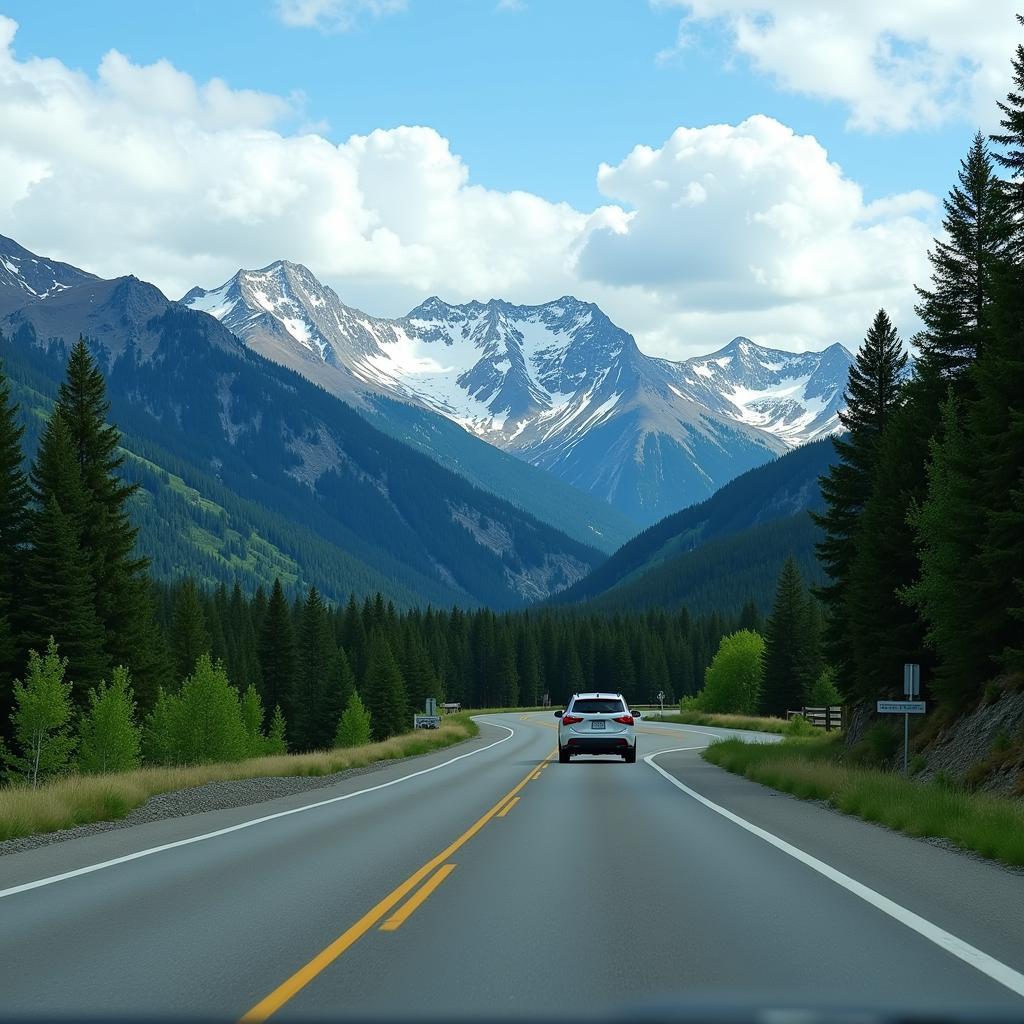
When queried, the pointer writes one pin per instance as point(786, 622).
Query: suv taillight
point(625, 719)
point(571, 719)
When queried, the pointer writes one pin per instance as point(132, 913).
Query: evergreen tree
point(252, 721)
point(785, 645)
point(1011, 142)
point(14, 495)
point(42, 716)
point(872, 395)
point(977, 225)
point(190, 639)
point(277, 652)
point(108, 738)
point(276, 742)
point(58, 593)
point(355, 728)
point(120, 588)
point(383, 689)
point(313, 721)
point(947, 548)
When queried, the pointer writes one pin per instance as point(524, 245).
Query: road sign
point(431, 706)
point(426, 721)
point(912, 680)
point(901, 707)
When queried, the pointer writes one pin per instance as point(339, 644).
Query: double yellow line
point(301, 978)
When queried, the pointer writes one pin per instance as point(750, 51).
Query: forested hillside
point(720, 553)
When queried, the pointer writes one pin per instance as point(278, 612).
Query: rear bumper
point(596, 745)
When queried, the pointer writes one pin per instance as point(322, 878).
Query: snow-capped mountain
point(557, 384)
point(797, 396)
point(25, 276)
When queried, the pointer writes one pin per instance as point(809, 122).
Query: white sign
point(912, 680)
point(432, 706)
point(901, 707)
point(426, 721)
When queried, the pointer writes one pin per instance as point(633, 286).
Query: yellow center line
point(398, 918)
point(508, 807)
point(304, 975)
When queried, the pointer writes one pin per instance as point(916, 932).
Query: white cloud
point(754, 222)
point(723, 230)
point(334, 15)
point(896, 65)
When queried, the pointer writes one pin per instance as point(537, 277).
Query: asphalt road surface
point(490, 881)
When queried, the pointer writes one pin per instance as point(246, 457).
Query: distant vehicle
point(596, 723)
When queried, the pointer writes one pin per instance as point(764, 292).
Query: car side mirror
point(558, 714)
point(636, 714)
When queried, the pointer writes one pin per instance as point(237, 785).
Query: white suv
point(597, 723)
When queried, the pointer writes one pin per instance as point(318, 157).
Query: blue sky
point(532, 99)
point(773, 168)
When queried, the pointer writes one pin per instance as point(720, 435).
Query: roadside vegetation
point(747, 722)
point(77, 799)
point(820, 768)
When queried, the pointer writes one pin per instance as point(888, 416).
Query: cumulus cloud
point(723, 230)
point(909, 64)
point(334, 15)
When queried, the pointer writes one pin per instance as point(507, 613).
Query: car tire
point(563, 756)
point(630, 758)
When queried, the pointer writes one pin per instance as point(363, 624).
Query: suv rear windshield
point(597, 706)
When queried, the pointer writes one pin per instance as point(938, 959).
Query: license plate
point(597, 725)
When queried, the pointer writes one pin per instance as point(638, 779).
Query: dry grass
point(79, 799)
point(990, 825)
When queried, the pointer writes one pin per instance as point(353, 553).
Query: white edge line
point(139, 854)
point(970, 955)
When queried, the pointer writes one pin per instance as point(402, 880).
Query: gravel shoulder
point(214, 796)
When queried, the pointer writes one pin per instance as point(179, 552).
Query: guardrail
point(823, 718)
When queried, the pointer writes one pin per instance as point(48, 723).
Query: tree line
point(774, 669)
point(924, 518)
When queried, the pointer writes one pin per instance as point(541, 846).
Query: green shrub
point(800, 726)
point(732, 682)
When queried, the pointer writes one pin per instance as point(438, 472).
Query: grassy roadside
point(810, 768)
point(80, 799)
point(776, 725)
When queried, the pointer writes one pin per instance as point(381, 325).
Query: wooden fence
point(824, 718)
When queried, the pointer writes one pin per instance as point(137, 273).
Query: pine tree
point(42, 716)
point(383, 689)
point(190, 639)
point(14, 495)
point(58, 592)
point(277, 652)
point(784, 645)
point(120, 587)
point(108, 738)
point(355, 727)
point(313, 721)
point(977, 225)
point(946, 542)
point(1011, 141)
point(252, 721)
point(276, 742)
point(872, 396)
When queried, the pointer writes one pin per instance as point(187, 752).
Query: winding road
point(488, 880)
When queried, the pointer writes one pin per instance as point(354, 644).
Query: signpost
point(661, 700)
point(906, 708)
point(431, 720)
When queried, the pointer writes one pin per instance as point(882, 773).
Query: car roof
point(603, 693)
